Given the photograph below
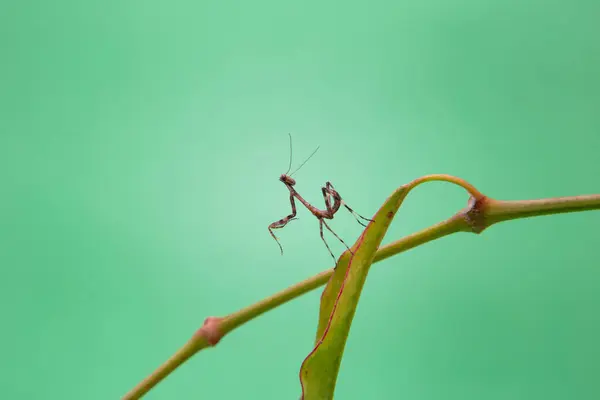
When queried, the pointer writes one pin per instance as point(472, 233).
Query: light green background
point(141, 143)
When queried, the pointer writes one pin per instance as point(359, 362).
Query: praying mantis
point(333, 202)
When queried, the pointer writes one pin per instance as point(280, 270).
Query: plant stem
point(194, 345)
point(489, 211)
point(503, 210)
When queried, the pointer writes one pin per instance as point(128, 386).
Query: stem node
point(474, 214)
point(210, 330)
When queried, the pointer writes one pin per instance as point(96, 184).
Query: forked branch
point(480, 213)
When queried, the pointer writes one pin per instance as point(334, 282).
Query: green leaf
point(319, 370)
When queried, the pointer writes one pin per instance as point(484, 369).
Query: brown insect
point(333, 202)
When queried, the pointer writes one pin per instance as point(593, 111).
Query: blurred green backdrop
point(141, 144)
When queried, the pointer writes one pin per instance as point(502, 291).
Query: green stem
point(503, 210)
point(492, 211)
point(194, 345)
point(437, 231)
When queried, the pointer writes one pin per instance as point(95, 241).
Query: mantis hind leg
point(356, 215)
point(324, 241)
point(321, 223)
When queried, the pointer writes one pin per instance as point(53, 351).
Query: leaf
point(319, 370)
